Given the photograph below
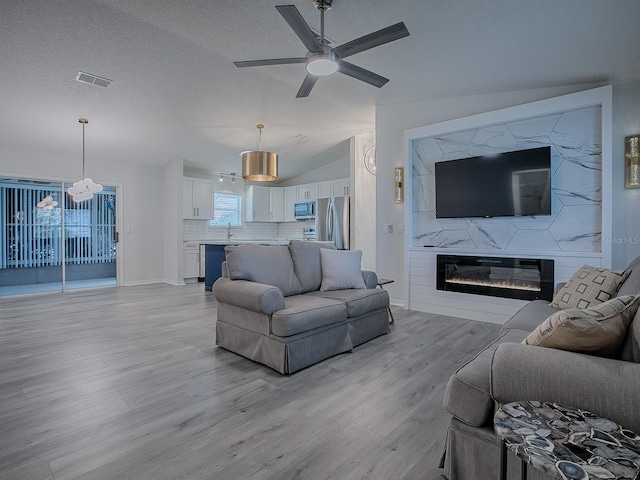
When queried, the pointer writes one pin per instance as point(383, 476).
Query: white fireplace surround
point(557, 237)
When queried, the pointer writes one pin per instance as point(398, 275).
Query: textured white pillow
point(341, 269)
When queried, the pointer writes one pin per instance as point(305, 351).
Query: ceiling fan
point(321, 59)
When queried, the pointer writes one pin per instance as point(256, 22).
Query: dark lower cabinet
point(213, 258)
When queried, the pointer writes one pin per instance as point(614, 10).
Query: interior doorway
point(49, 242)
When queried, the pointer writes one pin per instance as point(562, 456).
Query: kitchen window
point(227, 208)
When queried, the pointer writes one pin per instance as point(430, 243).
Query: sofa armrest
point(370, 278)
point(604, 386)
point(254, 296)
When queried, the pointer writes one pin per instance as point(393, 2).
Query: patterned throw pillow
point(589, 286)
point(600, 329)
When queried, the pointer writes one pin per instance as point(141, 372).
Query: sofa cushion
point(631, 285)
point(467, 396)
point(599, 329)
point(341, 269)
point(631, 346)
point(306, 263)
point(589, 286)
point(268, 264)
point(302, 313)
point(358, 301)
point(530, 316)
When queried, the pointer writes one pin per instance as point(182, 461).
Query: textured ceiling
point(176, 92)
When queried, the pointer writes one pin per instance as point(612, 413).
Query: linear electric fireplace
point(521, 278)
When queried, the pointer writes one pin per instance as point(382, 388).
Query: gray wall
point(626, 202)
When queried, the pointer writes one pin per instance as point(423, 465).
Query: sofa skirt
point(368, 326)
point(285, 354)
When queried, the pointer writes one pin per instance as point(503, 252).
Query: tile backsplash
point(200, 230)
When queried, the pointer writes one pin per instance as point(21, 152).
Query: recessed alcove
point(577, 127)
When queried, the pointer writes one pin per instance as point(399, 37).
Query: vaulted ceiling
point(175, 91)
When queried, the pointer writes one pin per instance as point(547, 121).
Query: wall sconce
point(631, 162)
point(398, 190)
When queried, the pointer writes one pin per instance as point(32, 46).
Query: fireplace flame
point(495, 283)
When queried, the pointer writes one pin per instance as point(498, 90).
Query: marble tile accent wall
point(576, 162)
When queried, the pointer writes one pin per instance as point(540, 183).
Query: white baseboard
point(150, 281)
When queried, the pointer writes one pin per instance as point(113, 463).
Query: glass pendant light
point(85, 188)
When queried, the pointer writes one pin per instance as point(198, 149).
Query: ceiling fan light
point(322, 64)
point(259, 166)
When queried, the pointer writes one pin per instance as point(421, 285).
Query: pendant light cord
point(83, 121)
point(260, 127)
point(83, 174)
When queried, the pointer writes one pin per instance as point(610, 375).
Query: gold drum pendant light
point(259, 166)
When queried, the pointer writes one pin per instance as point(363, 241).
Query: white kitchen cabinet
point(340, 187)
point(276, 204)
point(324, 189)
point(290, 199)
point(257, 204)
point(191, 260)
point(307, 192)
point(197, 198)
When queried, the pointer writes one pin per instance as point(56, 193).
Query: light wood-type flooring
point(127, 383)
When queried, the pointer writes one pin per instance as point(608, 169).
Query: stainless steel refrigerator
point(332, 221)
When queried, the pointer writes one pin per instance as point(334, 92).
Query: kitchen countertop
point(241, 241)
point(232, 241)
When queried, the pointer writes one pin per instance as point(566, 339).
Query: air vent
point(93, 79)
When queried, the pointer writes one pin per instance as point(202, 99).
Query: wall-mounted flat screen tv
point(507, 184)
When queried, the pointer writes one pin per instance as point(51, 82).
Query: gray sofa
point(271, 309)
point(508, 371)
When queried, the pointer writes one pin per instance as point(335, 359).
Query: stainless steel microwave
point(305, 210)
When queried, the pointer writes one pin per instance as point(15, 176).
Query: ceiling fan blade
point(292, 16)
point(375, 39)
point(361, 74)
point(269, 61)
point(307, 84)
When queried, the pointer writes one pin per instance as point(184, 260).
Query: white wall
point(391, 122)
point(364, 204)
point(140, 200)
point(336, 169)
point(173, 227)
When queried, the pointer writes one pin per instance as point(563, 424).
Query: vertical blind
point(33, 237)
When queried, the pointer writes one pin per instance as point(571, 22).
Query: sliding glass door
point(90, 240)
point(49, 242)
